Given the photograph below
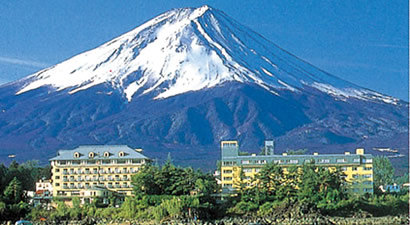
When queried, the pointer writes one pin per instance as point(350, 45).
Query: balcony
point(87, 172)
point(95, 179)
point(118, 186)
point(117, 179)
point(72, 179)
point(65, 172)
point(95, 172)
point(65, 187)
point(110, 186)
point(65, 179)
point(124, 186)
point(102, 178)
point(125, 178)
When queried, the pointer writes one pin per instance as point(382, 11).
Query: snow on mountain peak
point(184, 50)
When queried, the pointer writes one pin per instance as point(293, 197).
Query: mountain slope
point(182, 82)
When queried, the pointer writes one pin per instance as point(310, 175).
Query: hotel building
point(358, 167)
point(91, 167)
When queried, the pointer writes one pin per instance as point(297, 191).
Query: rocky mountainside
point(182, 82)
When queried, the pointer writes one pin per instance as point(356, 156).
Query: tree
point(383, 172)
point(268, 181)
point(146, 181)
point(14, 192)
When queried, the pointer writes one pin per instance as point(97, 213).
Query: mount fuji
point(182, 82)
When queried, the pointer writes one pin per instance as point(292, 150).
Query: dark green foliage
point(172, 191)
point(383, 172)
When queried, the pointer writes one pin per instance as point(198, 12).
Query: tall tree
point(383, 172)
point(14, 192)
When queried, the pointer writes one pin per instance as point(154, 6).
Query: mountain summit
point(186, 50)
point(182, 82)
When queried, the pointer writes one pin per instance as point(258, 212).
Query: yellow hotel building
point(95, 167)
point(358, 167)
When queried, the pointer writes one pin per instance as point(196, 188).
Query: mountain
point(182, 82)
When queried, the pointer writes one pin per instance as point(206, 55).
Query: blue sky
point(362, 41)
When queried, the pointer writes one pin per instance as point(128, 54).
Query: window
point(106, 161)
point(227, 171)
point(121, 154)
point(356, 160)
point(260, 161)
point(367, 160)
point(57, 177)
point(355, 176)
point(368, 189)
point(354, 168)
point(343, 168)
point(76, 155)
point(136, 161)
point(227, 178)
point(294, 161)
point(106, 154)
point(227, 163)
point(341, 160)
point(367, 176)
point(75, 162)
point(324, 161)
point(257, 170)
point(247, 170)
point(91, 154)
point(245, 161)
point(63, 162)
point(57, 184)
point(368, 168)
point(121, 161)
point(91, 162)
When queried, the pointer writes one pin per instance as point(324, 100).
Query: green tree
point(269, 181)
point(383, 172)
point(146, 181)
point(14, 192)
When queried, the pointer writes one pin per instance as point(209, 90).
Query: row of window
point(93, 178)
point(249, 170)
point(100, 162)
point(232, 144)
point(294, 161)
point(97, 171)
point(362, 176)
point(92, 185)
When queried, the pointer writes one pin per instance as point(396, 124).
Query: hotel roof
point(99, 152)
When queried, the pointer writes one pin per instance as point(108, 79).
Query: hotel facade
point(357, 167)
point(76, 171)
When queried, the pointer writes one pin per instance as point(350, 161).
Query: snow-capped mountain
point(182, 82)
point(188, 50)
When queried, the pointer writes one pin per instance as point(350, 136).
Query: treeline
point(308, 190)
point(167, 191)
point(15, 181)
